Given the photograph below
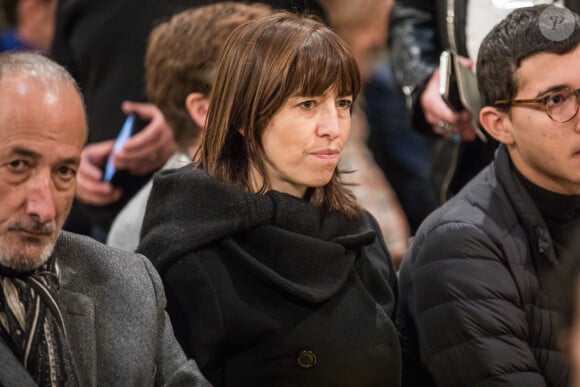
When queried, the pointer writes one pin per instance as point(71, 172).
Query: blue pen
point(122, 138)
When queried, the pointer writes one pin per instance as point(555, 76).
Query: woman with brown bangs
point(274, 275)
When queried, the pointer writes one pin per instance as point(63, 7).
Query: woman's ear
point(497, 123)
point(197, 106)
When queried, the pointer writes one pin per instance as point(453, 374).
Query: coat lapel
point(79, 316)
point(12, 372)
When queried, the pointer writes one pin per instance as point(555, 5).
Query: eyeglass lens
point(562, 106)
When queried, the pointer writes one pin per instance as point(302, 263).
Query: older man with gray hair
point(72, 311)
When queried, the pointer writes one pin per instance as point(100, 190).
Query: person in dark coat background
point(179, 63)
point(419, 31)
point(474, 307)
point(274, 275)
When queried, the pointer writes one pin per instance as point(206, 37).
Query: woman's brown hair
point(263, 63)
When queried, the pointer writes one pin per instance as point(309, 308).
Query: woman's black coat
point(267, 290)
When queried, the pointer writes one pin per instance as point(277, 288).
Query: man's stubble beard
point(24, 255)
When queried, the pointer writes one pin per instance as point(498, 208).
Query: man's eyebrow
point(72, 160)
point(19, 151)
point(541, 93)
point(24, 152)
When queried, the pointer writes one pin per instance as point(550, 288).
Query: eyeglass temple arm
point(507, 102)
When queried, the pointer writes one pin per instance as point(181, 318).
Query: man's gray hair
point(37, 65)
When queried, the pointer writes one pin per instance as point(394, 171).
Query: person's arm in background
point(90, 187)
point(148, 150)
point(108, 65)
point(144, 153)
point(415, 49)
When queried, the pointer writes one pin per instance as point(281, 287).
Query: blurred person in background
point(403, 154)
point(363, 26)
point(30, 24)
point(102, 44)
point(179, 68)
point(419, 31)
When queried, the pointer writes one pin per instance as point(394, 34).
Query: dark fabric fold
point(255, 281)
point(206, 211)
point(187, 225)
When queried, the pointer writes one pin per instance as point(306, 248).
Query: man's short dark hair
point(514, 39)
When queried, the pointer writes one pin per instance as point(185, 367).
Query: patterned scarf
point(32, 324)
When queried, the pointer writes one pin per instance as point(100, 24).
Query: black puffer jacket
point(267, 290)
point(474, 306)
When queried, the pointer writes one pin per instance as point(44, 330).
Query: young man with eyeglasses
point(474, 306)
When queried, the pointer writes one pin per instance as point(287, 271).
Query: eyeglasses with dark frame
point(558, 105)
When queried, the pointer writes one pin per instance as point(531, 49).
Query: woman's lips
point(327, 154)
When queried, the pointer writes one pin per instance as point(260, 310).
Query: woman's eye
point(307, 105)
point(344, 103)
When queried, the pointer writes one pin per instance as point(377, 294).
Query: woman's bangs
point(322, 64)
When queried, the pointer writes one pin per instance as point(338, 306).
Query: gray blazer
point(114, 310)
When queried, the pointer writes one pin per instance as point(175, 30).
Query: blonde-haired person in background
point(274, 274)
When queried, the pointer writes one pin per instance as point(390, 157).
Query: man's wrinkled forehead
point(23, 83)
point(30, 90)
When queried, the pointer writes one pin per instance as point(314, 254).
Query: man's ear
point(497, 123)
point(197, 106)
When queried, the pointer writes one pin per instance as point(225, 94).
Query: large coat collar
point(309, 268)
point(188, 209)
